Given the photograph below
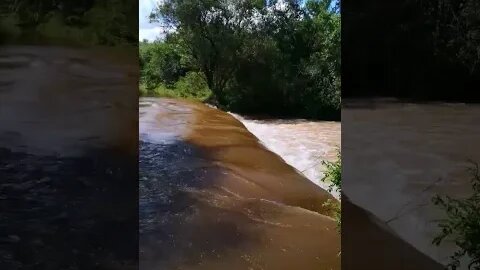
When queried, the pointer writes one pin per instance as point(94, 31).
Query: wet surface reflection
point(212, 197)
point(68, 164)
point(399, 155)
point(74, 100)
point(67, 213)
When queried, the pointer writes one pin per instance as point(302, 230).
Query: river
point(217, 190)
point(304, 144)
point(68, 158)
point(213, 197)
point(74, 99)
point(399, 155)
point(410, 154)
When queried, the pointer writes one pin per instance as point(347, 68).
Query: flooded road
point(400, 155)
point(212, 197)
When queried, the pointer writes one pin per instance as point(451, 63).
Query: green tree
point(275, 57)
point(99, 22)
point(456, 34)
point(160, 62)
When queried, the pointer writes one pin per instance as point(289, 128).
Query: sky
point(147, 30)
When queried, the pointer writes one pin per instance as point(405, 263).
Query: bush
point(333, 176)
point(143, 90)
point(191, 86)
point(462, 224)
point(160, 63)
point(106, 23)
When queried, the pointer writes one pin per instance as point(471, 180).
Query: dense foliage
point(457, 31)
point(80, 22)
point(462, 224)
point(276, 57)
point(414, 49)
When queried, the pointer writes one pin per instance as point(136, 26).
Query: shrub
point(462, 223)
point(333, 176)
point(160, 63)
point(143, 90)
point(191, 86)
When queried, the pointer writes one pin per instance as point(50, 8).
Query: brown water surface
point(302, 143)
point(213, 197)
point(68, 158)
point(399, 155)
point(63, 101)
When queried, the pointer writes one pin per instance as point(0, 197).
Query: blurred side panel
point(69, 134)
point(410, 130)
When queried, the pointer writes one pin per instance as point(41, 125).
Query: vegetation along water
point(280, 58)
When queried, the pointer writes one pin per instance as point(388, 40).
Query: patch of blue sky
point(147, 30)
point(152, 31)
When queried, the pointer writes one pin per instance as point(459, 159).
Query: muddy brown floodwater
point(302, 143)
point(399, 155)
point(68, 158)
point(74, 99)
point(213, 197)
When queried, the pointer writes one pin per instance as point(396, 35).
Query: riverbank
point(194, 90)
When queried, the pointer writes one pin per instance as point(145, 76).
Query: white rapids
point(303, 144)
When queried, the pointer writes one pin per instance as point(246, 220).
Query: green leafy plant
point(191, 86)
point(462, 223)
point(336, 212)
point(333, 176)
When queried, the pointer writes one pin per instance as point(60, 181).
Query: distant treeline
point(280, 58)
point(78, 22)
point(422, 50)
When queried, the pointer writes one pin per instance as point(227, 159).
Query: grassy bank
point(191, 86)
